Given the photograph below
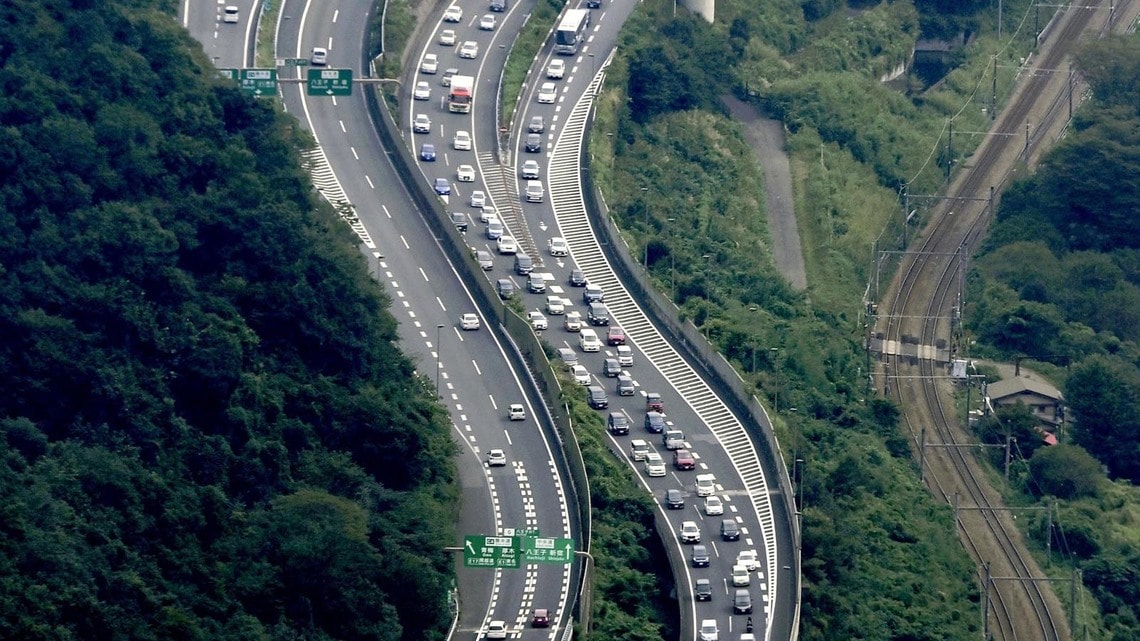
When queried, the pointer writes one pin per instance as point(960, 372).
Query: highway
point(715, 435)
point(475, 378)
point(226, 43)
point(428, 293)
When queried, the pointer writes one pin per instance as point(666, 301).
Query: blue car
point(427, 152)
point(442, 187)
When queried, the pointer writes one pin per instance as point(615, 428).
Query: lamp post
point(673, 261)
point(776, 397)
point(645, 208)
point(438, 328)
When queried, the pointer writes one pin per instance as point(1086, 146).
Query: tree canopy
point(208, 430)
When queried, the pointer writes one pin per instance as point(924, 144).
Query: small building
point(1043, 400)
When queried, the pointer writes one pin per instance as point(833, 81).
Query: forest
point(1057, 285)
point(208, 430)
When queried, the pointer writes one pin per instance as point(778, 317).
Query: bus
point(571, 32)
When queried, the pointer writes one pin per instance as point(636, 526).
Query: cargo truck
point(459, 97)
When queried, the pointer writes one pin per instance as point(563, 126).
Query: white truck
point(460, 95)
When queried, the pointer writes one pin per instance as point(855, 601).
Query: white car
point(507, 245)
point(558, 247)
point(556, 69)
point(453, 14)
point(706, 484)
point(231, 14)
point(422, 124)
point(422, 91)
point(625, 355)
point(430, 63)
point(690, 533)
point(547, 93)
point(516, 412)
point(654, 464)
point(447, 38)
point(496, 458)
point(530, 169)
point(469, 50)
point(466, 173)
point(749, 559)
point(572, 322)
point(740, 576)
point(581, 375)
point(709, 631)
point(713, 506)
point(478, 199)
point(588, 341)
point(537, 320)
point(488, 214)
point(555, 305)
point(487, 22)
point(320, 56)
point(469, 322)
point(461, 141)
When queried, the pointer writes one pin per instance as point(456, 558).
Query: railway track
point(915, 331)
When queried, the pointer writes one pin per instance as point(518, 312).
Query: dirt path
point(766, 137)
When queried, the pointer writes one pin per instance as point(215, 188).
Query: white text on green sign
point(329, 82)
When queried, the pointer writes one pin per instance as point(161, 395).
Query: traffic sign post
point(481, 551)
point(329, 82)
point(547, 550)
point(258, 82)
point(231, 74)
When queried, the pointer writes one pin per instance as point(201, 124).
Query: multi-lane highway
point(227, 41)
point(474, 375)
point(712, 432)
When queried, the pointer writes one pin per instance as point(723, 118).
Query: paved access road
point(226, 43)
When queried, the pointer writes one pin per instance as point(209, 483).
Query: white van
point(638, 449)
point(588, 341)
point(534, 191)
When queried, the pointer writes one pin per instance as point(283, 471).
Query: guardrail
point(717, 371)
point(527, 351)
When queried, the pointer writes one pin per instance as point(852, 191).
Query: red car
point(540, 618)
point(653, 403)
point(683, 460)
point(615, 335)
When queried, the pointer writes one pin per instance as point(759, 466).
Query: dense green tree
point(1104, 395)
point(1065, 471)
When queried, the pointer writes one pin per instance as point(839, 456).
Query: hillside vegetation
point(208, 432)
point(1058, 284)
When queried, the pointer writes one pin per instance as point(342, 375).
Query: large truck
point(459, 97)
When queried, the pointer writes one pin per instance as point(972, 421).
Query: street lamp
point(438, 328)
point(673, 261)
point(645, 208)
point(776, 359)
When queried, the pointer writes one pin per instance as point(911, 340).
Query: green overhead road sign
point(329, 82)
point(232, 74)
point(490, 551)
point(258, 82)
point(547, 550)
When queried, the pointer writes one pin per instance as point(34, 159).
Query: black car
point(654, 422)
point(596, 397)
point(699, 557)
point(729, 530)
point(611, 368)
point(534, 143)
point(577, 278)
point(618, 424)
point(593, 4)
point(702, 590)
point(498, 6)
point(427, 152)
point(674, 499)
point(742, 602)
